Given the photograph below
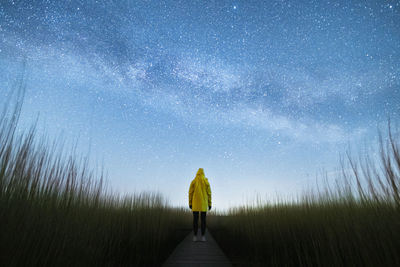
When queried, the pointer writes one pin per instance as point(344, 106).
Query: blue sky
point(261, 94)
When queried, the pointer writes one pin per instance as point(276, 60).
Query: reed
point(57, 211)
point(352, 221)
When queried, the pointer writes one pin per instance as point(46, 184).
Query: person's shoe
point(203, 238)
point(194, 238)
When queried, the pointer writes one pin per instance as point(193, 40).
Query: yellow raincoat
point(200, 192)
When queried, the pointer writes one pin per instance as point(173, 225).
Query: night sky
point(261, 94)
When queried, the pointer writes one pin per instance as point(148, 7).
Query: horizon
point(263, 96)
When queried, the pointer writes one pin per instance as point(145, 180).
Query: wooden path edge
point(196, 254)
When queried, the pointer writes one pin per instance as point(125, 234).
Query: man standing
point(199, 201)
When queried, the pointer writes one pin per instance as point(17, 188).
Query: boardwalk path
point(196, 254)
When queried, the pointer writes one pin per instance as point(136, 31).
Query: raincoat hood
point(200, 175)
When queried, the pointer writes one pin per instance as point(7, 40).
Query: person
point(199, 201)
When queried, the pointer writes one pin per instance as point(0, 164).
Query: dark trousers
point(196, 222)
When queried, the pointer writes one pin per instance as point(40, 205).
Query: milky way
point(223, 81)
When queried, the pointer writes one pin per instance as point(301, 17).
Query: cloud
point(210, 90)
point(211, 75)
point(201, 89)
point(304, 130)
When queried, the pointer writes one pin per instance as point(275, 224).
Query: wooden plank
point(196, 254)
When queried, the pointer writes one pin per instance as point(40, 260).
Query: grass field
point(56, 211)
point(354, 221)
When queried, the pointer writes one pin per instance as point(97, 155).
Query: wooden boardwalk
point(196, 254)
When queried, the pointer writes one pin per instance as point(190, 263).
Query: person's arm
point(209, 194)
point(191, 190)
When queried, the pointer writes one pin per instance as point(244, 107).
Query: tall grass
point(354, 221)
point(56, 211)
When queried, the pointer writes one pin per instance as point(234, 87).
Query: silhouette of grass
point(56, 211)
point(354, 221)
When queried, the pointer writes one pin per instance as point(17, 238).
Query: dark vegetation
point(354, 221)
point(56, 211)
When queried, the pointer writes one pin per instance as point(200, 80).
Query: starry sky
point(261, 94)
